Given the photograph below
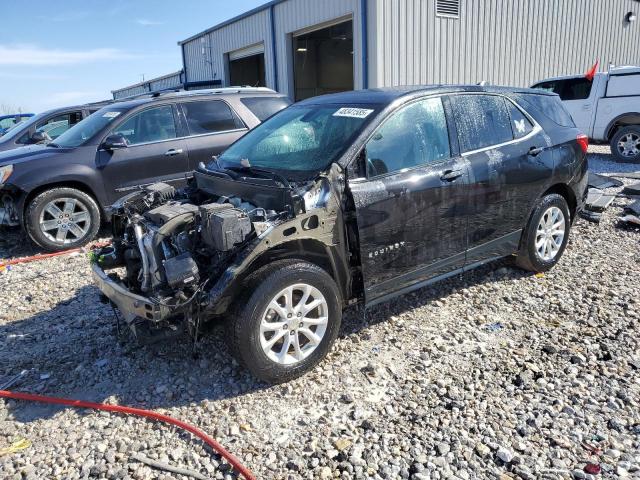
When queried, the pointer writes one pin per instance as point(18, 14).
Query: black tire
point(632, 132)
point(244, 325)
point(76, 235)
point(528, 256)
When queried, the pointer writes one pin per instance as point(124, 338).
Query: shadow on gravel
point(73, 350)
point(14, 242)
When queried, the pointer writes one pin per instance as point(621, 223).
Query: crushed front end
point(174, 252)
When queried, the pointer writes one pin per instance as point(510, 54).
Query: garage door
point(323, 61)
point(246, 66)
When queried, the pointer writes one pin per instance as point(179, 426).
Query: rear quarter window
point(548, 105)
point(264, 107)
point(568, 89)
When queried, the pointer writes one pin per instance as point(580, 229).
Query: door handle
point(451, 175)
point(586, 107)
point(535, 151)
point(172, 152)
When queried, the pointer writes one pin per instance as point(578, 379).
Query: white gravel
point(497, 374)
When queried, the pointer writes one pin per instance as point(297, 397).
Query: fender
point(635, 120)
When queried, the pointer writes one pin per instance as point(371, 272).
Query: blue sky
point(86, 48)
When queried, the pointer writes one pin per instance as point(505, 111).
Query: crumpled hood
point(29, 153)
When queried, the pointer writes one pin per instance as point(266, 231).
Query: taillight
point(583, 141)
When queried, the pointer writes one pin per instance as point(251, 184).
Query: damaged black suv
point(340, 199)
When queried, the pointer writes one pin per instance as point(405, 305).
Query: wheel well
point(564, 190)
point(624, 121)
point(68, 184)
point(304, 249)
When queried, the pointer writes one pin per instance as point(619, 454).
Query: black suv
point(346, 198)
point(47, 126)
point(58, 191)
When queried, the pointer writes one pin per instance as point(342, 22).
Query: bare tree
point(6, 109)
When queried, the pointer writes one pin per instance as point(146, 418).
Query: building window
point(448, 8)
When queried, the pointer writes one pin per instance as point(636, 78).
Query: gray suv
point(58, 192)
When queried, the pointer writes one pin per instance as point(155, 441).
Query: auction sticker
point(110, 114)
point(353, 112)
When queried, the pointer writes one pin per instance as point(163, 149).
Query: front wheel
point(546, 235)
point(625, 144)
point(288, 323)
point(62, 218)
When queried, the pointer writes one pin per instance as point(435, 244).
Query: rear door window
point(151, 125)
point(264, 107)
point(482, 120)
point(213, 116)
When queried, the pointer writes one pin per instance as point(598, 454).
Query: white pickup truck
point(606, 108)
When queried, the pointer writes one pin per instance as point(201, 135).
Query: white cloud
point(145, 22)
point(31, 55)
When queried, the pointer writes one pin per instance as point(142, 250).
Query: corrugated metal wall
point(289, 17)
point(509, 42)
point(211, 65)
point(165, 82)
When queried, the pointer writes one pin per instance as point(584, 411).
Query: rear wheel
point(625, 144)
point(545, 237)
point(288, 323)
point(62, 218)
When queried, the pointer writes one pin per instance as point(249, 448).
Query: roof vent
point(448, 8)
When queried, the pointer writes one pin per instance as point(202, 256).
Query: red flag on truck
point(592, 71)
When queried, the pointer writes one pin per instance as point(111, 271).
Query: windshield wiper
point(269, 173)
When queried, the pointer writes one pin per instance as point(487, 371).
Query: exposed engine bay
point(173, 246)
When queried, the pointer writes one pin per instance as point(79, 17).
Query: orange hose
point(44, 256)
point(235, 463)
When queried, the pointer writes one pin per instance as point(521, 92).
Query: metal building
point(165, 82)
point(310, 47)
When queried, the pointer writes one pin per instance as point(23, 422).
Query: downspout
point(365, 43)
point(183, 77)
point(273, 46)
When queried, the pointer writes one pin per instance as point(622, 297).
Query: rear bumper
point(130, 304)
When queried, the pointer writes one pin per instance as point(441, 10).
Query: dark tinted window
point(264, 107)
point(415, 135)
point(210, 117)
point(548, 105)
point(520, 124)
point(482, 120)
point(568, 89)
point(151, 125)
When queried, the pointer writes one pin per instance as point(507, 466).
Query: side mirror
point(39, 137)
point(114, 142)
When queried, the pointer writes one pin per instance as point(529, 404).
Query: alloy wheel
point(65, 220)
point(629, 145)
point(550, 234)
point(294, 324)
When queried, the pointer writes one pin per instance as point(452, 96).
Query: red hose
point(44, 256)
point(244, 471)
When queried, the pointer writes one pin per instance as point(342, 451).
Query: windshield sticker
point(353, 112)
point(110, 114)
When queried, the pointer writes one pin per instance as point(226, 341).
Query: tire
point(69, 228)
point(529, 256)
point(625, 144)
point(249, 344)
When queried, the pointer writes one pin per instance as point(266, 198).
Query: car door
point(508, 158)
point(410, 205)
point(212, 127)
point(154, 153)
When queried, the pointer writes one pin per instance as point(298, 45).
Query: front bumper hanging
point(130, 304)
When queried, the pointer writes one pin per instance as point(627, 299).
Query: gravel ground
point(496, 374)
